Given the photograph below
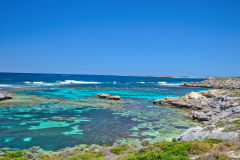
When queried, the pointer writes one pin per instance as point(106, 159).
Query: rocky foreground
point(218, 83)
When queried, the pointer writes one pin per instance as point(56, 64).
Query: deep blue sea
point(54, 111)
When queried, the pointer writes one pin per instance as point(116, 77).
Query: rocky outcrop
point(103, 95)
point(114, 97)
point(209, 106)
point(218, 109)
point(108, 96)
point(4, 96)
point(218, 83)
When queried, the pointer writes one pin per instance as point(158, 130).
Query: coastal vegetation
point(180, 150)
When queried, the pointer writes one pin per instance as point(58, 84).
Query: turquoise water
point(55, 116)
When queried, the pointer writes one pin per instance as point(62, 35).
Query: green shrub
point(155, 156)
point(88, 146)
point(219, 122)
point(13, 154)
point(18, 158)
point(21, 158)
point(236, 122)
point(176, 148)
point(212, 141)
point(199, 147)
point(105, 145)
point(87, 156)
point(118, 150)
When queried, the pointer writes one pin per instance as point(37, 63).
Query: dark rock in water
point(114, 97)
point(4, 96)
point(107, 96)
point(103, 95)
point(220, 83)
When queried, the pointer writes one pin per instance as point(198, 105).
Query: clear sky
point(158, 37)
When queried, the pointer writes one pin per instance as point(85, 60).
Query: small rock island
point(108, 96)
point(4, 96)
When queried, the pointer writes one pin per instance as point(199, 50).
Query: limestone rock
point(103, 95)
point(108, 96)
point(114, 97)
point(201, 133)
point(4, 96)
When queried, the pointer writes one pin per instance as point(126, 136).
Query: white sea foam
point(27, 82)
point(141, 82)
point(37, 82)
point(114, 82)
point(77, 82)
point(5, 85)
point(170, 84)
point(162, 82)
point(66, 82)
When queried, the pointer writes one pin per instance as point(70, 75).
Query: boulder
point(200, 116)
point(209, 94)
point(114, 97)
point(157, 101)
point(108, 96)
point(4, 96)
point(194, 95)
point(103, 95)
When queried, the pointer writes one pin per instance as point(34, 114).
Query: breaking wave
point(66, 82)
point(77, 82)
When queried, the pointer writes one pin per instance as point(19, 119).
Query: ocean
point(55, 111)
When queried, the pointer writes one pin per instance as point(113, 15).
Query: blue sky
point(158, 37)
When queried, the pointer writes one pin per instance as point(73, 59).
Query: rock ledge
point(108, 96)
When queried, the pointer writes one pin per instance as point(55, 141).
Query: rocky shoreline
point(217, 83)
point(217, 109)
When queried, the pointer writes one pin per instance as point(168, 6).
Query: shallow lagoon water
point(58, 116)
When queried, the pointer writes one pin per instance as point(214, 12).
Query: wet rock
point(4, 96)
point(103, 95)
point(108, 96)
point(114, 97)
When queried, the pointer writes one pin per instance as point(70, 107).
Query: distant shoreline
point(164, 76)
